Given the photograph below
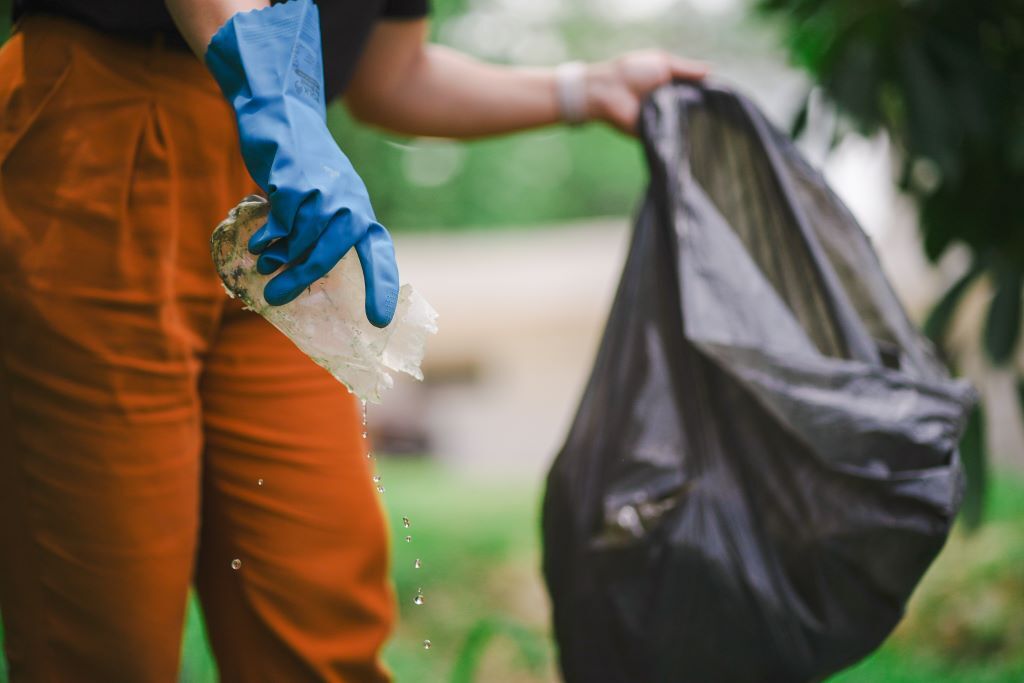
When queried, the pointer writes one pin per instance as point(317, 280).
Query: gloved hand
point(269, 65)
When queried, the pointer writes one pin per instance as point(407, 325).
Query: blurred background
point(914, 109)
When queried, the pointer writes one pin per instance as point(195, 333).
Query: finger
point(272, 258)
point(380, 273)
point(311, 222)
point(331, 246)
point(272, 230)
point(686, 69)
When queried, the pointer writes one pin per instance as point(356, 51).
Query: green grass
point(486, 612)
point(479, 546)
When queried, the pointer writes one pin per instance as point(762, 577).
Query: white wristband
point(570, 89)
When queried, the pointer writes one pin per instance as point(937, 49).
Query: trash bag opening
point(811, 251)
point(728, 161)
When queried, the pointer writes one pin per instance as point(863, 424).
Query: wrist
point(599, 84)
point(571, 92)
point(584, 90)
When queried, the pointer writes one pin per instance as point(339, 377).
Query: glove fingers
point(325, 254)
point(272, 258)
point(272, 230)
point(380, 273)
point(310, 224)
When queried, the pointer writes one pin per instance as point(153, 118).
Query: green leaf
point(532, 646)
point(931, 127)
point(855, 82)
point(799, 124)
point(937, 323)
point(1020, 395)
point(1002, 326)
point(941, 222)
point(197, 662)
point(972, 454)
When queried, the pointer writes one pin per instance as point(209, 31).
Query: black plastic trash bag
point(764, 462)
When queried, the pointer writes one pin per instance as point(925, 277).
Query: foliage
point(478, 540)
point(972, 453)
point(532, 647)
point(541, 176)
point(945, 80)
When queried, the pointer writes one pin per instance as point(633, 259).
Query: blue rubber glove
point(269, 65)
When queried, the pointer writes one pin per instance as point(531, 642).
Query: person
point(153, 433)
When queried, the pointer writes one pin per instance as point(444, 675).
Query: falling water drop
point(259, 482)
point(380, 489)
point(405, 522)
point(236, 564)
point(417, 564)
point(426, 644)
point(418, 600)
point(376, 479)
point(408, 539)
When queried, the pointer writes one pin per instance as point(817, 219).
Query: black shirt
point(344, 24)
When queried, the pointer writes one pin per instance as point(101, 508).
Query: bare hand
point(616, 88)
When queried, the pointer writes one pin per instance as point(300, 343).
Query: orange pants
point(139, 409)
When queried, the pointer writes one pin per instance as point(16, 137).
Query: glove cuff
point(270, 53)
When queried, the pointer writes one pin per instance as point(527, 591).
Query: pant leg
point(311, 600)
point(107, 300)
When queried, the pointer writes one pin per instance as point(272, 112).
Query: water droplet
point(408, 539)
point(426, 644)
point(236, 564)
point(364, 433)
point(418, 600)
point(376, 479)
point(380, 489)
point(259, 482)
point(417, 564)
point(405, 522)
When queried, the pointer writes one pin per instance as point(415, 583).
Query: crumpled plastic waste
point(327, 321)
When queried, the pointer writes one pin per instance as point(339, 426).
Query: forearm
point(404, 85)
point(444, 93)
point(198, 20)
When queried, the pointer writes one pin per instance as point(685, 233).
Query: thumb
point(380, 272)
